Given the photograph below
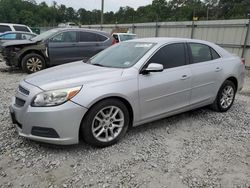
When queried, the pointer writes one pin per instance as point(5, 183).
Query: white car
point(5, 27)
point(120, 37)
point(142, 81)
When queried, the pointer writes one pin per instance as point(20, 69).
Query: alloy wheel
point(108, 123)
point(227, 97)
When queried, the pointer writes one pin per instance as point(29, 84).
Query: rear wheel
point(225, 97)
point(33, 63)
point(106, 123)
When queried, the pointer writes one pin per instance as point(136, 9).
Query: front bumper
point(64, 120)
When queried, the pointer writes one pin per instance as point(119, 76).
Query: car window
point(21, 28)
point(200, 52)
point(116, 37)
point(26, 36)
point(215, 55)
point(10, 36)
point(125, 37)
point(172, 55)
point(122, 55)
point(69, 36)
point(101, 38)
point(89, 37)
point(4, 28)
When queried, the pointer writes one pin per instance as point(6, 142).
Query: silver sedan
point(128, 84)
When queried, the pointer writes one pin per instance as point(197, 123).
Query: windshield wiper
point(97, 64)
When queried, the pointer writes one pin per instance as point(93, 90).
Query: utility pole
point(102, 12)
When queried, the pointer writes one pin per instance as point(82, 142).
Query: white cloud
point(110, 5)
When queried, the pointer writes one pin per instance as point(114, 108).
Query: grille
point(23, 90)
point(19, 102)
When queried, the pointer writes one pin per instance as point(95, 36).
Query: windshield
point(127, 37)
point(122, 55)
point(45, 35)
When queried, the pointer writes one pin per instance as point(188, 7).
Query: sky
point(109, 5)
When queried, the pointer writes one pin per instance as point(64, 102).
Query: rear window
point(89, 37)
point(21, 28)
point(4, 28)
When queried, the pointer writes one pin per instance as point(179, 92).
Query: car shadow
point(11, 70)
point(169, 122)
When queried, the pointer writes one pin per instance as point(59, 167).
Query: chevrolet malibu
point(128, 84)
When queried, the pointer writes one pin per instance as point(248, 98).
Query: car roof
point(81, 29)
point(124, 33)
point(163, 40)
point(22, 32)
point(13, 24)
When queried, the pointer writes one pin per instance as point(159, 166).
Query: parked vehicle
point(55, 47)
point(5, 27)
point(142, 81)
point(68, 25)
point(119, 37)
point(15, 35)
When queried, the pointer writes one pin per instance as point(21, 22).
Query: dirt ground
point(200, 148)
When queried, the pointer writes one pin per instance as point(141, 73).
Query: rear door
point(167, 91)
point(206, 73)
point(63, 48)
point(90, 44)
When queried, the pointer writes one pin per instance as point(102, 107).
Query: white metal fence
point(232, 35)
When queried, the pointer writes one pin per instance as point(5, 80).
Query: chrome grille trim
point(23, 90)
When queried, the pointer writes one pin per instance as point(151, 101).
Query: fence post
point(192, 30)
point(133, 28)
point(156, 29)
point(246, 39)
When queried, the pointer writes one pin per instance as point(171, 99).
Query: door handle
point(218, 69)
point(184, 77)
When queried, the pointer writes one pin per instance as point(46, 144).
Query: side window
point(88, 37)
point(26, 36)
point(69, 36)
point(215, 55)
point(21, 28)
point(116, 38)
point(101, 38)
point(10, 36)
point(200, 52)
point(170, 56)
point(4, 28)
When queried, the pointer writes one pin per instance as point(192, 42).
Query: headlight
point(55, 97)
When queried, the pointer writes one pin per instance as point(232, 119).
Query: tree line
point(33, 14)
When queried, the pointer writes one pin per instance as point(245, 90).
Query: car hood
point(18, 42)
point(72, 75)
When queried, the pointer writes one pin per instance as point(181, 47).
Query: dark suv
point(55, 47)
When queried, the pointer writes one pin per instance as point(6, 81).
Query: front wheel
point(225, 97)
point(32, 63)
point(105, 123)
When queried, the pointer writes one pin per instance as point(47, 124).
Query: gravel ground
point(200, 148)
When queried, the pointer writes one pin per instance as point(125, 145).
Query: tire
point(218, 104)
point(32, 63)
point(95, 123)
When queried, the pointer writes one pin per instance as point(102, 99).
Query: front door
point(63, 48)
point(166, 91)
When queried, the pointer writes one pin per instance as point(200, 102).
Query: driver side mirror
point(153, 67)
